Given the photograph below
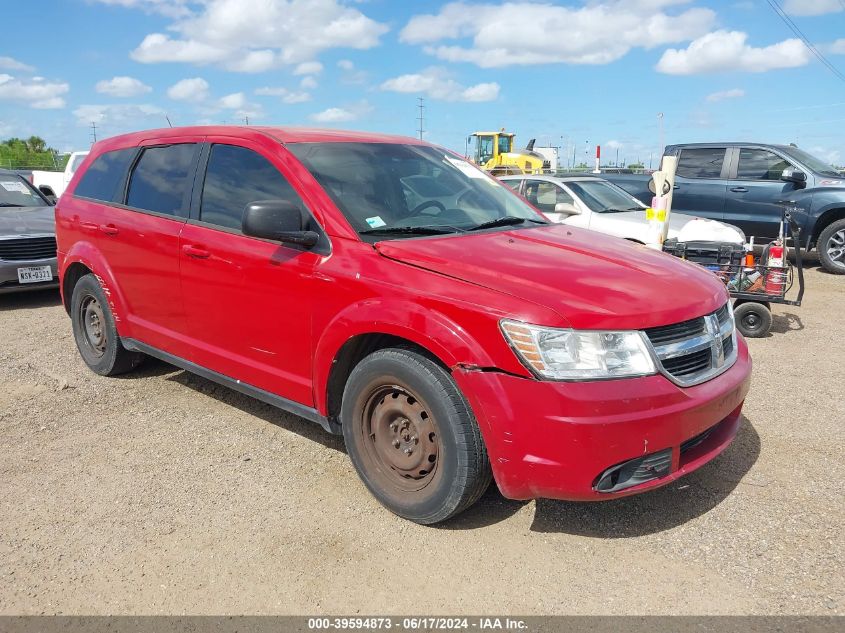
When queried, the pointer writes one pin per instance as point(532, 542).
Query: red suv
point(388, 290)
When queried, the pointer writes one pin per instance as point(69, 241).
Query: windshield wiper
point(508, 220)
point(613, 210)
point(410, 230)
point(9, 204)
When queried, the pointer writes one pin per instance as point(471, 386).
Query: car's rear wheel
point(411, 436)
point(95, 332)
point(831, 247)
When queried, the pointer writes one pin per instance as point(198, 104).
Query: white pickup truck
point(53, 183)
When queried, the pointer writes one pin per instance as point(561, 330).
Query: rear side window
point(162, 178)
point(104, 178)
point(760, 164)
point(703, 162)
point(235, 177)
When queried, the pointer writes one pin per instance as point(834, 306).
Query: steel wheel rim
point(93, 321)
point(836, 247)
point(401, 438)
point(751, 321)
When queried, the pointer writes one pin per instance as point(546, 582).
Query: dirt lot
point(164, 493)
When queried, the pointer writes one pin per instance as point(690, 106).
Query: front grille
point(696, 350)
point(28, 248)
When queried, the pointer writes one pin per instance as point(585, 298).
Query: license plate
point(34, 274)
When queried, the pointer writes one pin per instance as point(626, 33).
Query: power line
point(794, 28)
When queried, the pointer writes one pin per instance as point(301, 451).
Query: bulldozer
point(494, 153)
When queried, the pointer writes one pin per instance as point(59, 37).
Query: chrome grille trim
point(718, 334)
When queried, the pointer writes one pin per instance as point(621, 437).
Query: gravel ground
point(164, 493)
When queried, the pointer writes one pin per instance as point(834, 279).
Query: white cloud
point(435, 83)
point(170, 8)
point(308, 68)
point(724, 51)
point(287, 96)
point(532, 33)
point(733, 93)
point(9, 63)
point(345, 64)
point(267, 34)
point(234, 101)
point(194, 89)
point(37, 93)
point(308, 83)
point(838, 47)
point(342, 115)
point(117, 118)
point(122, 87)
point(812, 7)
point(351, 75)
point(333, 115)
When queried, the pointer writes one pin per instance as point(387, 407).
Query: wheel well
point(353, 352)
point(74, 273)
point(830, 216)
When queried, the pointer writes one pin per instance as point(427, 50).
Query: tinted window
point(104, 178)
point(760, 164)
point(17, 192)
point(604, 197)
point(545, 195)
point(705, 162)
point(161, 180)
point(235, 177)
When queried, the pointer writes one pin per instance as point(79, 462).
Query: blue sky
point(569, 73)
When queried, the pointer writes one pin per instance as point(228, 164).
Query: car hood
point(699, 229)
point(24, 221)
point(591, 280)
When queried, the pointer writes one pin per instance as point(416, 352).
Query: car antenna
point(168, 120)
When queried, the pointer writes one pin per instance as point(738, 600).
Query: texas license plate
point(34, 274)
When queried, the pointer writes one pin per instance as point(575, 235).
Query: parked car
point(596, 204)
point(746, 184)
point(53, 183)
point(448, 338)
point(27, 236)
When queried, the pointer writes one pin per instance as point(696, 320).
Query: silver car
point(27, 236)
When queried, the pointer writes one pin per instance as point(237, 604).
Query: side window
point(545, 195)
point(235, 177)
point(104, 178)
point(511, 184)
point(162, 178)
point(760, 164)
point(704, 162)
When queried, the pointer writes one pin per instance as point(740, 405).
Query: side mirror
point(278, 220)
point(48, 193)
point(568, 208)
point(791, 174)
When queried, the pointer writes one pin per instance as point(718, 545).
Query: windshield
point(814, 164)
point(16, 192)
point(412, 189)
point(604, 197)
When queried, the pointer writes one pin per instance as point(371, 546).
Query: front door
point(248, 301)
point(754, 192)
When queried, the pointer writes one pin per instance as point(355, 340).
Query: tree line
point(30, 153)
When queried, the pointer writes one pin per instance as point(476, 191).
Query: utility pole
point(660, 125)
point(421, 118)
point(246, 120)
point(93, 132)
point(617, 157)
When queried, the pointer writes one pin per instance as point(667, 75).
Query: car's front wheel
point(95, 332)
point(831, 247)
point(411, 436)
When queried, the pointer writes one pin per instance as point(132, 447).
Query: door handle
point(195, 251)
point(88, 225)
point(739, 189)
point(109, 229)
point(676, 186)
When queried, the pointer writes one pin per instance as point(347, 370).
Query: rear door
point(140, 239)
point(248, 301)
point(754, 190)
point(701, 182)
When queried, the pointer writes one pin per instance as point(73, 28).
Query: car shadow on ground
point(247, 404)
point(662, 509)
point(786, 322)
point(30, 299)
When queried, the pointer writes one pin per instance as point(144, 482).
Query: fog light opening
point(635, 472)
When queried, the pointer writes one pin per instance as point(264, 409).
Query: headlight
point(565, 354)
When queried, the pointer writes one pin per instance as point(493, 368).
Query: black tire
point(831, 247)
point(447, 469)
point(95, 333)
point(753, 319)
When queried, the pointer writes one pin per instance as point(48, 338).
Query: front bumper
point(9, 275)
point(555, 439)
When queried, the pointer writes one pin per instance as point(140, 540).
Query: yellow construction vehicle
point(494, 153)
